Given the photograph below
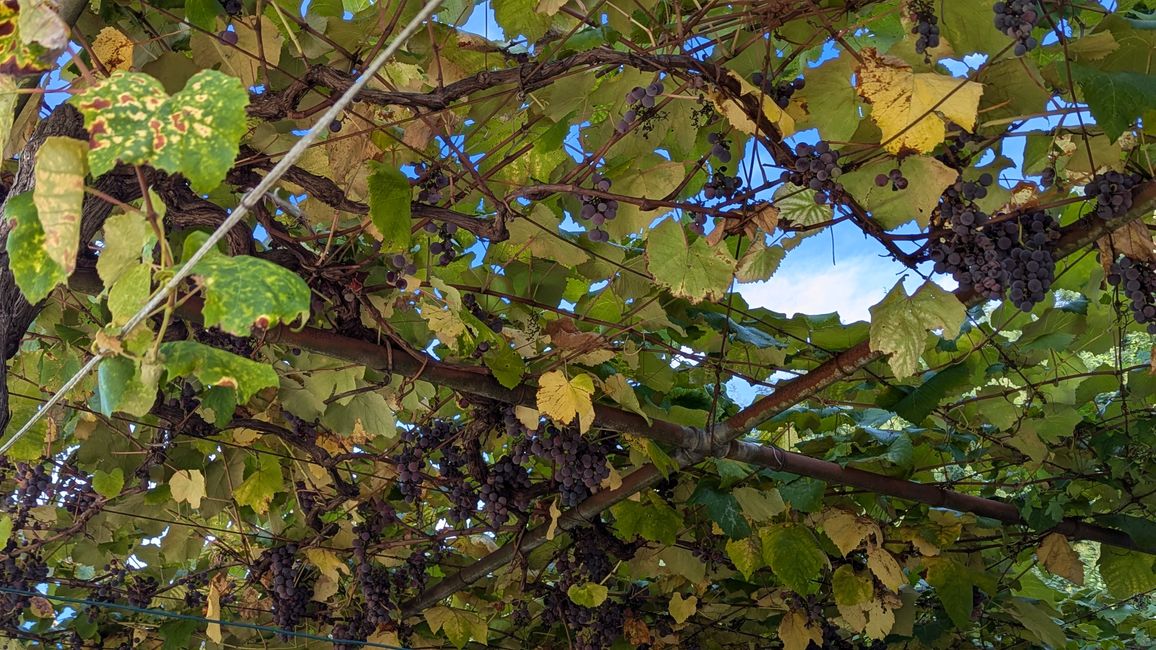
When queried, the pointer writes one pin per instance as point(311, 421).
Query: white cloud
point(850, 287)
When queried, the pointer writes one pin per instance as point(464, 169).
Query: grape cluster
point(222, 340)
point(111, 585)
point(816, 167)
point(141, 590)
point(640, 101)
point(598, 210)
point(710, 552)
point(432, 182)
point(373, 580)
point(719, 147)
point(1028, 262)
point(462, 496)
point(1017, 18)
point(697, 223)
point(357, 629)
point(779, 91)
point(894, 177)
point(1138, 280)
point(18, 572)
point(505, 487)
point(926, 26)
point(291, 588)
point(33, 483)
point(1113, 193)
point(954, 153)
point(1048, 176)
point(721, 186)
point(589, 628)
point(1013, 255)
point(419, 443)
point(231, 7)
point(492, 321)
point(445, 248)
point(194, 582)
point(229, 37)
point(75, 490)
point(399, 267)
point(579, 464)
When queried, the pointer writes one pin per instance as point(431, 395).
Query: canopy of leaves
point(486, 367)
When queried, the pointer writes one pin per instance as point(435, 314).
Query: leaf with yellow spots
point(195, 132)
point(60, 168)
point(564, 399)
point(29, 37)
point(113, 48)
point(244, 291)
point(912, 109)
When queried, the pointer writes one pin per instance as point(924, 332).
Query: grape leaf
point(1116, 99)
point(195, 132)
point(188, 486)
point(927, 178)
point(953, 584)
point(108, 484)
point(126, 386)
point(1058, 557)
point(126, 236)
point(215, 367)
point(262, 483)
point(590, 594)
point(899, 324)
point(681, 609)
point(390, 205)
point(22, 53)
point(244, 291)
point(34, 271)
point(794, 556)
point(798, 633)
point(691, 270)
point(912, 109)
point(1127, 573)
point(564, 399)
point(851, 587)
point(745, 555)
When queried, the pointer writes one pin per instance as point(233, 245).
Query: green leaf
point(126, 386)
point(520, 17)
point(760, 505)
point(695, 271)
point(390, 206)
point(830, 100)
point(8, 97)
point(1127, 573)
point(367, 411)
point(759, 262)
point(1116, 99)
point(794, 557)
point(723, 508)
point(34, 271)
point(459, 626)
point(201, 128)
point(506, 364)
point(244, 291)
point(953, 584)
point(203, 13)
point(797, 206)
point(126, 237)
point(1037, 620)
point(655, 521)
point(215, 367)
point(196, 132)
point(899, 324)
point(919, 403)
point(745, 555)
point(130, 292)
point(927, 179)
point(116, 113)
point(5, 530)
point(851, 587)
point(590, 594)
point(61, 165)
point(261, 484)
point(108, 484)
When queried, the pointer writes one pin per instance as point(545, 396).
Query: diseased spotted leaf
point(34, 271)
point(215, 367)
point(244, 291)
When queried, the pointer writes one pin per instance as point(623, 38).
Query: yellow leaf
point(682, 609)
point(912, 109)
point(555, 514)
point(444, 323)
point(213, 612)
point(327, 561)
point(622, 392)
point(880, 619)
point(113, 48)
point(796, 632)
point(845, 530)
point(1060, 558)
point(61, 166)
point(528, 417)
point(188, 485)
point(886, 568)
point(8, 99)
point(41, 607)
point(564, 399)
point(736, 114)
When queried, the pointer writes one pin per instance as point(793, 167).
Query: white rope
point(248, 202)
